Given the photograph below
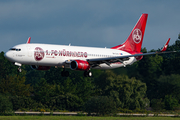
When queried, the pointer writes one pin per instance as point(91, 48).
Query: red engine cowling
point(139, 57)
point(40, 67)
point(79, 65)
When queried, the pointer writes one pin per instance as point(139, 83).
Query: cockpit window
point(15, 49)
point(12, 49)
point(18, 49)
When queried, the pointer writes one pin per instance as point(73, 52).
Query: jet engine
point(80, 65)
point(35, 67)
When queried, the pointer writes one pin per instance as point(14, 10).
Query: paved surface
point(75, 113)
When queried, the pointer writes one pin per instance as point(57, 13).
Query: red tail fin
point(135, 39)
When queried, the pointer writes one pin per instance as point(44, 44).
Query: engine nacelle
point(139, 57)
point(80, 65)
point(35, 67)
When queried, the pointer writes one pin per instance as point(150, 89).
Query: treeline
point(153, 82)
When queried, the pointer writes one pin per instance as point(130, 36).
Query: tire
point(19, 70)
point(87, 74)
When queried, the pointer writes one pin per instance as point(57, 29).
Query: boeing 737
point(43, 56)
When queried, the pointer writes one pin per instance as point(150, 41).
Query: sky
point(93, 23)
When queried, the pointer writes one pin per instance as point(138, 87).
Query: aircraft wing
point(95, 62)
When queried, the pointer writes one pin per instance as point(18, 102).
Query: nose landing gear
point(19, 69)
point(18, 64)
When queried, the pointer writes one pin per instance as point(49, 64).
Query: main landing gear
point(65, 73)
point(87, 73)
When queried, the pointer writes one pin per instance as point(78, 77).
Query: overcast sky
point(93, 23)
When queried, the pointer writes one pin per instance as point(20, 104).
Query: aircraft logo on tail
point(137, 36)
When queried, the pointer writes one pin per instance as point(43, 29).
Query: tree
point(171, 62)
point(170, 102)
point(168, 85)
point(43, 93)
point(53, 76)
point(54, 96)
point(20, 102)
point(150, 68)
point(5, 104)
point(157, 104)
point(15, 85)
point(101, 105)
point(127, 93)
point(33, 76)
point(6, 67)
point(132, 92)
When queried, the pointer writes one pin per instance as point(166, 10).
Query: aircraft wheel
point(19, 69)
point(88, 74)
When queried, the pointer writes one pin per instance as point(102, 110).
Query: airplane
point(44, 56)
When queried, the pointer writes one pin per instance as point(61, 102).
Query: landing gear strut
point(88, 74)
point(19, 66)
point(19, 69)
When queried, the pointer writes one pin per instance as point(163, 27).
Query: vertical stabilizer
point(135, 39)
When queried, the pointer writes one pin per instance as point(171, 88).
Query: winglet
point(165, 46)
point(29, 40)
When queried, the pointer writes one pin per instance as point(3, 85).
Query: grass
point(82, 118)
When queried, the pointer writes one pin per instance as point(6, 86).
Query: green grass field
point(82, 118)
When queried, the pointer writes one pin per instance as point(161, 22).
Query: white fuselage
point(57, 55)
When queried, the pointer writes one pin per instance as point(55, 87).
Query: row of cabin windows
point(98, 55)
